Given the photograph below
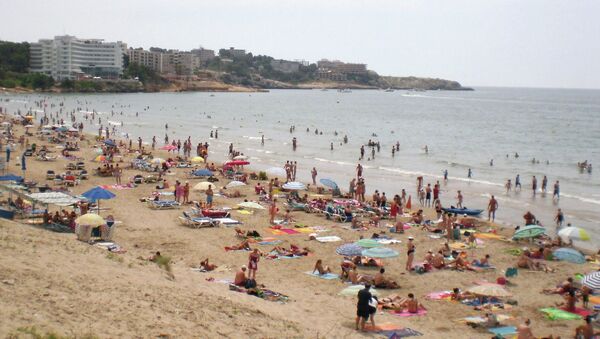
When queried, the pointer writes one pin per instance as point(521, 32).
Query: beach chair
point(83, 175)
point(186, 220)
point(163, 204)
point(50, 175)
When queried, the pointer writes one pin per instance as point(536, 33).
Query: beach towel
point(246, 212)
point(594, 300)
point(441, 295)
point(270, 242)
point(503, 331)
point(305, 230)
point(489, 236)
point(326, 276)
point(227, 221)
point(383, 327)
point(405, 313)
point(401, 333)
point(283, 231)
point(332, 238)
point(388, 241)
point(478, 320)
point(579, 311)
point(558, 314)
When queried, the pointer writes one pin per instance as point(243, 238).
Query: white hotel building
point(66, 57)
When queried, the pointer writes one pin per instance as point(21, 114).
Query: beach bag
point(250, 283)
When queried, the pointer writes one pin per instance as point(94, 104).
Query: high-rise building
point(152, 60)
point(67, 57)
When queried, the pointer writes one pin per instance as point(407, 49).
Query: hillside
point(421, 83)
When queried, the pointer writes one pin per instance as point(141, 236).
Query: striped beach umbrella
point(574, 233)
point(235, 183)
point(368, 243)
point(592, 280)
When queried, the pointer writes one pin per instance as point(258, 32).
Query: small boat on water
point(467, 211)
point(389, 90)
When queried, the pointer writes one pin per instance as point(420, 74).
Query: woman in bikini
point(410, 253)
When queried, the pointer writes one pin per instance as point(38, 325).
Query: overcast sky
point(520, 43)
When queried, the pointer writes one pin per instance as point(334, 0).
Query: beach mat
point(595, 300)
point(402, 333)
point(405, 313)
point(503, 331)
point(441, 295)
point(553, 313)
point(383, 327)
point(270, 242)
point(488, 236)
point(332, 238)
point(579, 311)
point(326, 276)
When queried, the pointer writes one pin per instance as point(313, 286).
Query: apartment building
point(67, 57)
point(152, 60)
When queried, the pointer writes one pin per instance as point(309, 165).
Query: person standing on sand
point(153, 143)
point(209, 196)
point(410, 254)
point(559, 218)
point(359, 171)
point(294, 168)
point(253, 259)
point(272, 211)
point(419, 183)
point(492, 207)
point(362, 307)
point(352, 187)
point(117, 173)
point(428, 195)
point(313, 174)
point(186, 193)
point(459, 198)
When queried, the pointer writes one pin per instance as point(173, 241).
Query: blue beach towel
point(503, 331)
point(326, 276)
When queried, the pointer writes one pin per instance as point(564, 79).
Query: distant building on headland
point(67, 57)
point(232, 53)
point(338, 70)
point(204, 54)
point(150, 59)
point(285, 66)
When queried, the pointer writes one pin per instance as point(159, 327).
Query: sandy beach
point(59, 284)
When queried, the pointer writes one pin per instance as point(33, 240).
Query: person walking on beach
point(294, 168)
point(534, 185)
point(459, 198)
point(559, 218)
point(117, 173)
point(272, 211)
point(492, 207)
point(186, 193)
point(359, 171)
point(428, 195)
point(508, 186)
point(544, 184)
point(518, 182)
point(209, 196)
point(352, 188)
point(313, 174)
point(362, 307)
point(556, 193)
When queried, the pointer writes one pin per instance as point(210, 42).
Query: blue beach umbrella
point(569, 254)
point(380, 252)
point(110, 143)
point(529, 231)
point(202, 173)
point(349, 250)
point(97, 194)
point(329, 183)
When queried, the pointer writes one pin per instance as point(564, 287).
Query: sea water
point(462, 130)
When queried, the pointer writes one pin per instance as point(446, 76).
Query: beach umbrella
point(98, 193)
point(489, 290)
point(197, 160)
point(168, 147)
point(11, 177)
point(329, 183)
point(110, 143)
point(276, 171)
point(574, 233)
point(529, 231)
point(368, 243)
point(157, 161)
point(569, 254)
point(352, 291)
point(349, 250)
point(100, 158)
point(380, 252)
point(237, 163)
point(240, 157)
point(592, 280)
point(251, 204)
point(294, 186)
point(202, 172)
point(202, 186)
point(235, 183)
point(90, 219)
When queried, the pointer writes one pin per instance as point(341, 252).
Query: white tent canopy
point(54, 198)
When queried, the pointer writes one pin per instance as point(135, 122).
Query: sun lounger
point(227, 221)
point(163, 204)
point(197, 222)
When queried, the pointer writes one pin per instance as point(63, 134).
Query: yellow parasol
point(90, 219)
